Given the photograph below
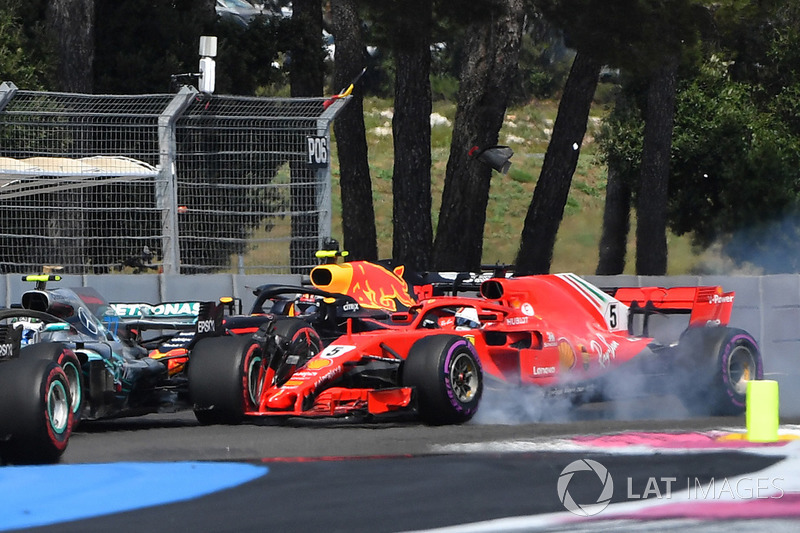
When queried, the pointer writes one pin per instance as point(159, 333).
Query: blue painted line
point(42, 495)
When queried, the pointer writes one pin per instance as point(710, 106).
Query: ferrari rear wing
point(708, 305)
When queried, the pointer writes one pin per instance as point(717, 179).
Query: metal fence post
point(324, 187)
point(324, 174)
point(7, 91)
point(208, 185)
point(167, 186)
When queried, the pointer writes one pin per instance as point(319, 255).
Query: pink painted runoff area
point(716, 439)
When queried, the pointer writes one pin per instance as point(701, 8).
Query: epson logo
point(206, 326)
point(6, 350)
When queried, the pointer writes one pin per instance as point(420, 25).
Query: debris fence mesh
point(180, 183)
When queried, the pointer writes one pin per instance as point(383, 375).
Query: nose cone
point(281, 400)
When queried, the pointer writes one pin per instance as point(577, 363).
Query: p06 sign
point(318, 153)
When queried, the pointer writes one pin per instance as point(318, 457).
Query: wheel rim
point(254, 381)
point(305, 344)
point(58, 407)
point(464, 378)
point(741, 368)
point(74, 380)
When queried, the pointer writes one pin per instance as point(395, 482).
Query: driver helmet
point(467, 318)
point(30, 331)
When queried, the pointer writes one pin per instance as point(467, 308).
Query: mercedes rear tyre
point(35, 411)
point(69, 363)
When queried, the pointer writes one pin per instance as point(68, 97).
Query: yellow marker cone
point(762, 408)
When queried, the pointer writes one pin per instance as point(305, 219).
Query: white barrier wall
point(766, 306)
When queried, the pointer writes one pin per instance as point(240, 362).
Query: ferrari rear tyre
point(445, 372)
point(69, 363)
point(35, 415)
point(724, 360)
point(225, 378)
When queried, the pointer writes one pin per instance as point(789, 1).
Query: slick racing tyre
point(720, 361)
point(300, 342)
point(225, 376)
point(69, 363)
point(35, 414)
point(445, 372)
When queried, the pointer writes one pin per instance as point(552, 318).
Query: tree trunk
point(306, 78)
point(306, 73)
point(411, 179)
point(358, 213)
point(550, 195)
point(616, 224)
point(71, 24)
point(651, 211)
point(491, 52)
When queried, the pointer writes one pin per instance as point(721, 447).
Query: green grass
point(526, 130)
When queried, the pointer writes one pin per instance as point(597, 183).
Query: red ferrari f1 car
point(434, 354)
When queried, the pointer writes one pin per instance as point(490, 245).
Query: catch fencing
point(184, 183)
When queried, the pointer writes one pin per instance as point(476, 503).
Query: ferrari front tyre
point(69, 363)
point(35, 414)
point(445, 372)
point(225, 378)
point(723, 360)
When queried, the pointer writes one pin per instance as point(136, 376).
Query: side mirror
point(489, 317)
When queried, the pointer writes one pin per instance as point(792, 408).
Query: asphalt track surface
point(167, 473)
